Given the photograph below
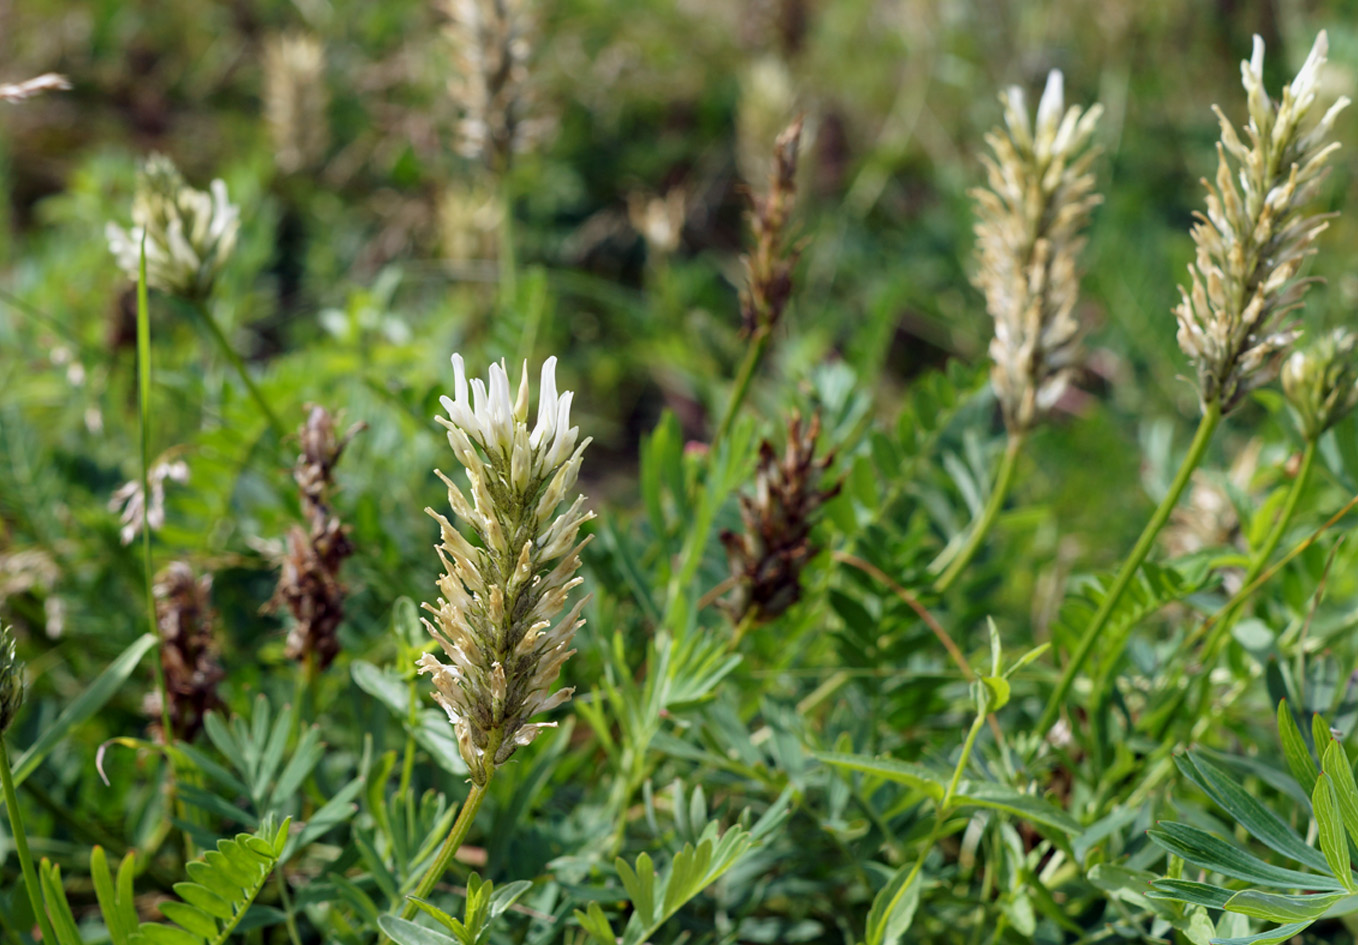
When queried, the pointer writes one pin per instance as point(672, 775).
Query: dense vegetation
point(956, 565)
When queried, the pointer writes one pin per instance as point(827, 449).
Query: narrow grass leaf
point(84, 706)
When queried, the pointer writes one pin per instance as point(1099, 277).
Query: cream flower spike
point(1255, 234)
point(500, 596)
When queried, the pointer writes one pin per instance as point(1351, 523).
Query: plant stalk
point(1221, 624)
point(753, 355)
point(943, 808)
point(1112, 649)
point(239, 365)
point(1004, 478)
point(16, 824)
point(461, 826)
point(1218, 633)
point(144, 432)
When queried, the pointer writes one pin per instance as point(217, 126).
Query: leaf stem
point(1004, 478)
point(461, 826)
point(16, 824)
point(1112, 648)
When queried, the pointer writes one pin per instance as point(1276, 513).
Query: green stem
point(1112, 649)
point(144, 431)
point(1004, 478)
point(753, 354)
point(16, 824)
point(450, 847)
point(1221, 625)
point(283, 896)
point(1265, 552)
point(230, 353)
point(944, 807)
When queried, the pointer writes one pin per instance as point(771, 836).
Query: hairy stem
point(1112, 649)
point(461, 826)
point(1004, 478)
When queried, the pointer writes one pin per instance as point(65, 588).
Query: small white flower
point(132, 501)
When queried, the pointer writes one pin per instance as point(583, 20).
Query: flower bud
point(1321, 382)
point(11, 680)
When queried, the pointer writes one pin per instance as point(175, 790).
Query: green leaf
point(595, 923)
point(120, 916)
point(305, 757)
point(58, 909)
point(205, 899)
point(931, 782)
point(1330, 830)
point(1264, 825)
point(190, 918)
point(1283, 933)
point(225, 883)
point(640, 885)
point(1335, 761)
point(405, 932)
point(893, 908)
point(1279, 908)
point(219, 885)
point(1203, 849)
point(1320, 731)
point(1182, 890)
point(167, 935)
point(997, 693)
point(85, 705)
point(1295, 753)
point(1002, 797)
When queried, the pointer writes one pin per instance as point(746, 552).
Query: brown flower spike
point(768, 556)
point(308, 580)
point(769, 266)
point(188, 652)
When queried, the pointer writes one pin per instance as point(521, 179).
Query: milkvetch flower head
point(496, 620)
point(1030, 221)
point(189, 233)
point(1255, 234)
